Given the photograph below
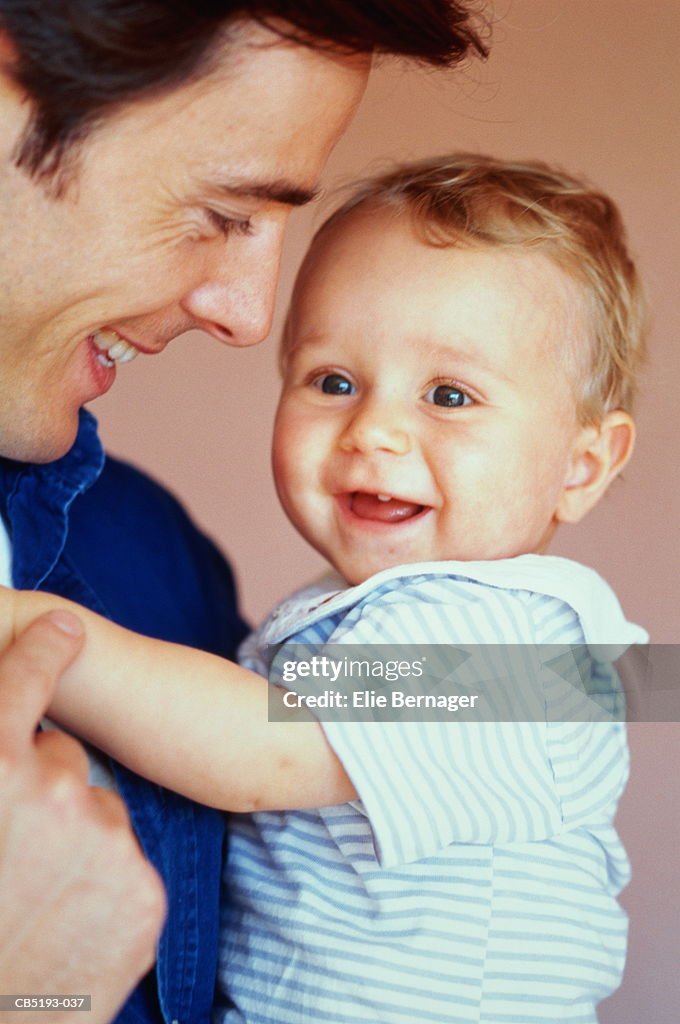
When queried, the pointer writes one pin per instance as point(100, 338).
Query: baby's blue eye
point(335, 384)
point(448, 396)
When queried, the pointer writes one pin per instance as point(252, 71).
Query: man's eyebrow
point(278, 191)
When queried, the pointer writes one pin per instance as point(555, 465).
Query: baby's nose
point(374, 429)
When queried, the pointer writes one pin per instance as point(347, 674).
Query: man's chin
point(46, 443)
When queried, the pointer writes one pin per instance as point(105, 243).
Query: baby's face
point(427, 410)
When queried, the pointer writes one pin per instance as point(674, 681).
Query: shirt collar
point(602, 621)
point(36, 500)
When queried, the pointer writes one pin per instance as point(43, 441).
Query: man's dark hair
point(78, 60)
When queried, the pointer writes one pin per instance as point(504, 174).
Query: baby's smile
point(427, 411)
point(379, 508)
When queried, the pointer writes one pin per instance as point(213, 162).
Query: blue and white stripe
point(476, 878)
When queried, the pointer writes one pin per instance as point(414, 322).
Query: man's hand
point(80, 907)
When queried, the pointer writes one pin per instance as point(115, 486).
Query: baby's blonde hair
point(480, 200)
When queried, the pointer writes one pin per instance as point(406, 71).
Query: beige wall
point(590, 84)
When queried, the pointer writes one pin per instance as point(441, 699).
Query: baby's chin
point(355, 575)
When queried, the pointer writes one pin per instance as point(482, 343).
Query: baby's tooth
point(384, 497)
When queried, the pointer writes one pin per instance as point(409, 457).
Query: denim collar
point(35, 501)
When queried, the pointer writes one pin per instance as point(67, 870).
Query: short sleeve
point(426, 785)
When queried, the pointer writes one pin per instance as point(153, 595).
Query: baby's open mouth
point(382, 507)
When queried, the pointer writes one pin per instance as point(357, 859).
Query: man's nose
point(377, 426)
point(234, 300)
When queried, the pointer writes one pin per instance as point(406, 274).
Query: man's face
point(427, 410)
point(174, 220)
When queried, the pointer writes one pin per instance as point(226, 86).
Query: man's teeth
point(112, 348)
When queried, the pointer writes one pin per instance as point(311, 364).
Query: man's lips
point(107, 349)
point(107, 338)
point(380, 508)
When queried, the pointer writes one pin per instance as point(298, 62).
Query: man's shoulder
point(153, 569)
point(132, 487)
point(127, 509)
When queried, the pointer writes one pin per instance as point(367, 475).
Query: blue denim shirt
point(101, 533)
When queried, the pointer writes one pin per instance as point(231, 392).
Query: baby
point(459, 363)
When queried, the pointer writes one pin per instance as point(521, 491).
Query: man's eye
point(228, 225)
point(334, 384)
point(448, 396)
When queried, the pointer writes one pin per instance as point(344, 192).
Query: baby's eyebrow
point(448, 353)
point(294, 343)
point(445, 358)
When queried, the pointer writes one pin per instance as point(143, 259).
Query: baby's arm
point(186, 719)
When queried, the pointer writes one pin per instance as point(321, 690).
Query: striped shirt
point(475, 878)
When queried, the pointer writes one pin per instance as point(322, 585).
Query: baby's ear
point(600, 453)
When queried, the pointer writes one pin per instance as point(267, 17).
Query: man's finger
point(29, 671)
point(111, 810)
point(58, 752)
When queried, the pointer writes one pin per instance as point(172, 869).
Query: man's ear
point(600, 453)
point(8, 61)
point(8, 53)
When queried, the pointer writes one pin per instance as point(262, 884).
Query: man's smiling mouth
point(111, 348)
